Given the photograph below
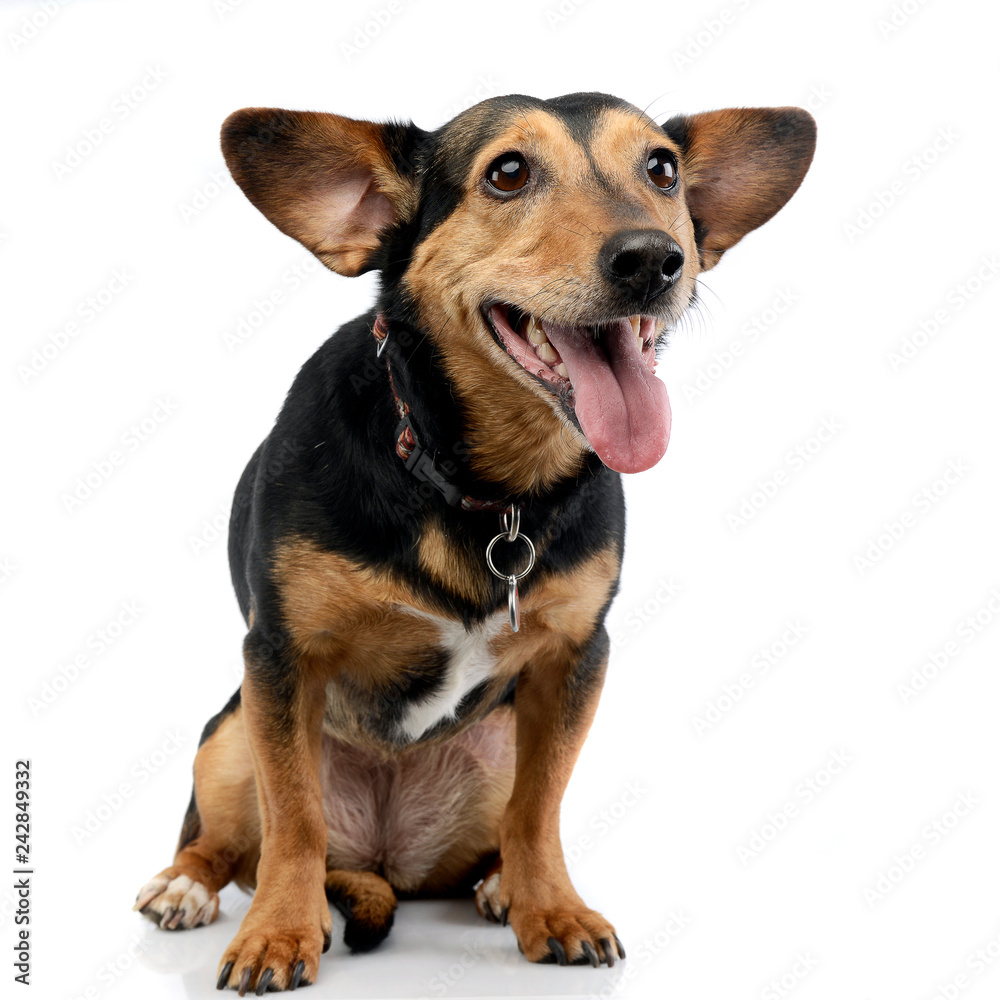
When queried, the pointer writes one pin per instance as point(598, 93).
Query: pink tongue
point(621, 405)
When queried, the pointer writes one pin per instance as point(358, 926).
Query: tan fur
point(451, 565)
point(371, 897)
point(292, 863)
point(534, 884)
point(226, 797)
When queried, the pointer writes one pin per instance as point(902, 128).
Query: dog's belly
point(424, 817)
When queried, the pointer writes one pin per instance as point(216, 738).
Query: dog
point(426, 545)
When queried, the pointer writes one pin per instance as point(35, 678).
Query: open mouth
point(603, 373)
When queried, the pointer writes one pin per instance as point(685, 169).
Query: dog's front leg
point(288, 924)
point(555, 701)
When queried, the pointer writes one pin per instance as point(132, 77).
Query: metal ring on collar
point(507, 576)
point(514, 528)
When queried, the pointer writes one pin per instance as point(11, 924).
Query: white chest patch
point(469, 664)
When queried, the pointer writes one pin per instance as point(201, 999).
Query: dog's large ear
point(740, 165)
point(332, 183)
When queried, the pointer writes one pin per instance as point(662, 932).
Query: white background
point(895, 222)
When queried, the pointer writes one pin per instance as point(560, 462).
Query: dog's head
point(544, 246)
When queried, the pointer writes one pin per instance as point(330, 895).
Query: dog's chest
point(448, 674)
point(467, 664)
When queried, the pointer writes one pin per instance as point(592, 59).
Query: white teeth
point(547, 352)
point(534, 331)
point(635, 321)
point(561, 369)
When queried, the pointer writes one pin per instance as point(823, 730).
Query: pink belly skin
point(422, 817)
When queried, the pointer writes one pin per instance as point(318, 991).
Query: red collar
point(420, 462)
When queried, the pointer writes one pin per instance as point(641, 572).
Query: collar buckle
point(422, 465)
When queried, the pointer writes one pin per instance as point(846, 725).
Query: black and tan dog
point(426, 545)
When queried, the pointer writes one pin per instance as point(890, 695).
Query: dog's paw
point(551, 926)
point(571, 935)
point(488, 898)
point(279, 958)
point(175, 900)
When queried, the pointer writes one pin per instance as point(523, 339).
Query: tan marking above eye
point(508, 172)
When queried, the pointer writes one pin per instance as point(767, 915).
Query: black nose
point(641, 262)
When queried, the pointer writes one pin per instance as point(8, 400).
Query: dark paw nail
point(297, 975)
point(224, 976)
point(245, 981)
point(265, 979)
point(504, 913)
point(609, 952)
point(621, 947)
point(326, 941)
point(588, 950)
point(558, 951)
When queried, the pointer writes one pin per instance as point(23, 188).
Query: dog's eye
point(508, 172)
point(662, 168)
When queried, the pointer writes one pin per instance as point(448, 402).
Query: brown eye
point(508, 172)
point(662, 168)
